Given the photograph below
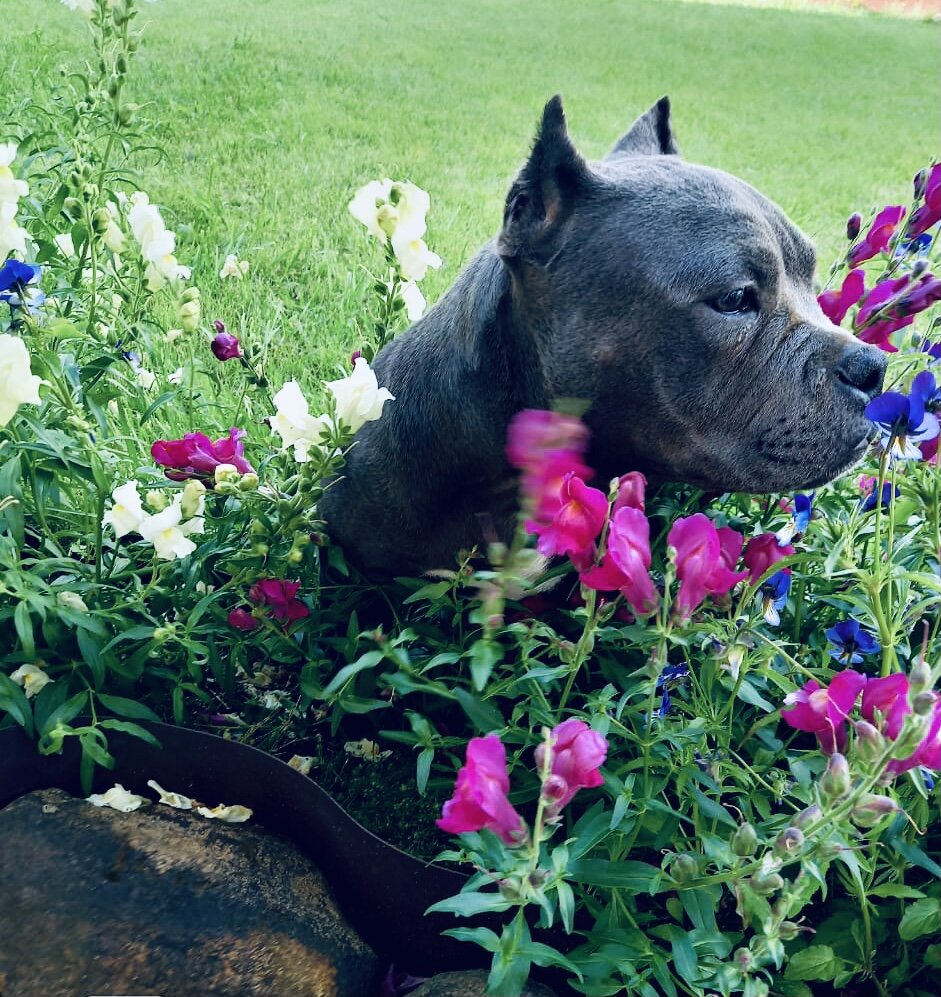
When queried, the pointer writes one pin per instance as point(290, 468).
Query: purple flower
point(876, 240)
point(225, 346)
point(867, 485)
point(849, 642)
point(802, 510)
point(835, 304)
point(853, 224)
point(671, 677)
point(902, 423)
point(928, 213)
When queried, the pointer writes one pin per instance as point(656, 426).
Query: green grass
point(272, 112)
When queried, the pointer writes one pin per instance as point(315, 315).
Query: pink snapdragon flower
point(196, 456)
point(762, 552)
point(631, 488)
point(626, 563)
point(929, 212)
point(480, 794)
point(876, 240)
point(704, 560)
point(281, 596)
point(576, 524)
point(928, 752)
point(243, 619)
point(835, 304)
point(577, 754)
point(824, 711)
point(888, 695)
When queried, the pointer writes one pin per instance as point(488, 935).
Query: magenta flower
point(730, 546)
point(878, 318)
point(626, 563)
point(702, 561)
point(928, 213)
point(196, 456)
point(823, 711)
point(534, 433)
point(578, 752)
point(876, 240)
point(281, 596)
point(242, 619)
point(225, 346)
point(835, 304)
point(480, 794)
point(928, 753)
point(762, 552)
point(630, 494)
point(576, 525)
point(888, 695)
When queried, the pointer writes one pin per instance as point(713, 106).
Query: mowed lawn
point(272, 112)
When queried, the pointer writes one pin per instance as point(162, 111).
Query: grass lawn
point(272, 112)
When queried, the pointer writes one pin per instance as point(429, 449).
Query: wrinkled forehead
point(684, 216)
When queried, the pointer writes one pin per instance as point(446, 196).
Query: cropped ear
point(544, 193)
point(650, 135)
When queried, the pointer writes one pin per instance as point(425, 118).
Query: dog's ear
point(650, 135)
point(543, 194)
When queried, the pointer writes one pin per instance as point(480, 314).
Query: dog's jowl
point(674, 300)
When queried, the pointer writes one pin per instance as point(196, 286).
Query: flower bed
point(701, 737)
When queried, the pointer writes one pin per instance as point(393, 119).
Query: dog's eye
point(741, 299)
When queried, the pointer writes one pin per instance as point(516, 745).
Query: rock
point(472, 983)
point(162, 901)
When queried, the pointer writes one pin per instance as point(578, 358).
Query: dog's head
point(678, 302)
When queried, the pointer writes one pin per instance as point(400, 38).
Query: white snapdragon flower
point(18, 386)
point(145, 378)
point(176, 377)
point(415, 258)
point(169, 533)
point(113, 236)
point(359, 399)
point(12, 236)
point(65, 244)
point(157, 242)
point(117, 798)
point(72, 600)
point(367, 204)
point(295, 425)
point(32, 678)
point(414, 300)
point(127, 510)
point(11, 189)
point(233, 267)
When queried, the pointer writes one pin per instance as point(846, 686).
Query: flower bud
point(248, 482)
point(192, 502)
point(918, 183)
point(789, 841)
point(869, 742)
point(871, 809)
point(101, 219)
point(808, 816)
point(226, 472)
point(853, 225)
point(554, 788)
point(294, 556)
point(189, 313)
point(744, 841)
point(767, 883)
point(157, 501)
point(683, 868)
point(788, 931)
point(120, 64)
point(72, 208)
point(114, 87)
point(744, 959)
point(72, 600)
point(919, 678)
point(90, 191)
point(835, 781)
point(923, 703)
point(225, 346)
point(510, 889)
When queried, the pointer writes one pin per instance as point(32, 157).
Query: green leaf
point(484, 716)
point(817, 962)
point(423, 769)
point(135, 730)
point(369, 660)
point(483, 937)
point(66, 712)
point(635, 877)
point(468, 904)
point(897, 890)
point(923, 917)
point(24, 629)
point(484, 654)
point(915, 856)
point(130, 708)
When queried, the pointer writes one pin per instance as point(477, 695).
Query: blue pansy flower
point(932, 349)
point(902, 422)
point(850, 642)
point(19, 285)
point(801, 511)
point(919, 246)
point(926, 388)
point(669, 678)
point(774, 592)
point(870, 501)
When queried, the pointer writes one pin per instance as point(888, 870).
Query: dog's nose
point(862, 367)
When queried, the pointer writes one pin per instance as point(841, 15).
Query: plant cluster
point(696, 735)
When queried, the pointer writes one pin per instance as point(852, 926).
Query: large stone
point(472, 983)
point(162, 901)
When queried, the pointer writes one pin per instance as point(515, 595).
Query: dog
point(674, 300)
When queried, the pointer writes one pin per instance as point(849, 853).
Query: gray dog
point(675, 300)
